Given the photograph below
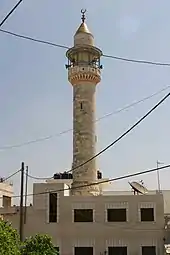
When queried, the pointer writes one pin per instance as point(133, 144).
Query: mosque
point(74, 207)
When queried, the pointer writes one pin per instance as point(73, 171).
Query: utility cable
point(136, 60)
point(115, 141)
point(39, 178)
point(9, 14)
point(100, 182)
point(10, 176)
point(99, 119)
point(33, 39)
point(66, 47)
point(124, 134)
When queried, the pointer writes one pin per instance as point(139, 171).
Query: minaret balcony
point(84, 73)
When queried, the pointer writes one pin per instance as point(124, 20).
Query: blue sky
point(36, 98)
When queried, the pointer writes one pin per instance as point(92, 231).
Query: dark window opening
point(148, 250)
point(83, 250)
point(53, 207)
point(147, 214)
point(83, 215)
point(117, 250)
point(57, 250)
point(116, 215)
point(81, 106)
point(6, 201)
point(99, 175)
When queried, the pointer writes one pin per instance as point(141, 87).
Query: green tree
point(38, 245)
point(9, 239)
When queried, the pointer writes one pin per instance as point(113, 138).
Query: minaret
point(84, 74)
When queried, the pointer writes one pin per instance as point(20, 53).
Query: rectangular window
point(116, 215)
point(83, 215)
point(147, 214)
point(57, 250)
point(6, 201)
point(117, 250)
point(148, 250)
point(53, 207)
point(83, 250)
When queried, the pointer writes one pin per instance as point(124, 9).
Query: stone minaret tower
point(84, 74)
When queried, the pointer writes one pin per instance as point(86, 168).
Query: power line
point(9, 14)
point(115, 141)
point(100, 182)
point(124, 134)
point(99, 119)
point(136, 60)
point(133, 104)
point(33, 39)
point(66, 47)
point(10, 176)
point(39, 178)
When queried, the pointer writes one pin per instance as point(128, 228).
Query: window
point(6, 201)
point(57, 250)
point(147, 214)
point(53, 207)
point(83, 215)
point(81, 106)
point(117, 250)
point(116, 215)
point(148, 250)
point(83, 250)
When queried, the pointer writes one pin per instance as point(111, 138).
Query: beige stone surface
point(84, 75)
point(100, 234)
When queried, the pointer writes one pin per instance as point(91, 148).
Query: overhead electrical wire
point(100, 182)
point(33, 39)
point(136, 60)
point(99, 119)
point(107, 56)
point(104, 55)
point(10, 176)
point(66, 47)
point(9, 14)
point(124, 134)
point(115, 141)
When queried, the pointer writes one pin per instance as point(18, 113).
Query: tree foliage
point(10, 243)
point(38, 245)
point(9, 239)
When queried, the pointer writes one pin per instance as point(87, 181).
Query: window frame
point(147, 221)
point(48, 207)
point(83, 209)
point(57, 248)
point(148, 246)
point(123, 246)
point(83, 247)
point(126, 210)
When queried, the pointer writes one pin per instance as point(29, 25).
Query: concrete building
point(6, 193)
point(121, 224)
point(72, 208)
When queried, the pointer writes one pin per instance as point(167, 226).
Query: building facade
point(119, 224)
point(6, 193)
point(77, 214)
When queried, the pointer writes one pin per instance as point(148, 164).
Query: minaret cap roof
point(83, 29)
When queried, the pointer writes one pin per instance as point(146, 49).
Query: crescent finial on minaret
point(83, 11)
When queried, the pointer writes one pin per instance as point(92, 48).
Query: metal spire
point(83, 15)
